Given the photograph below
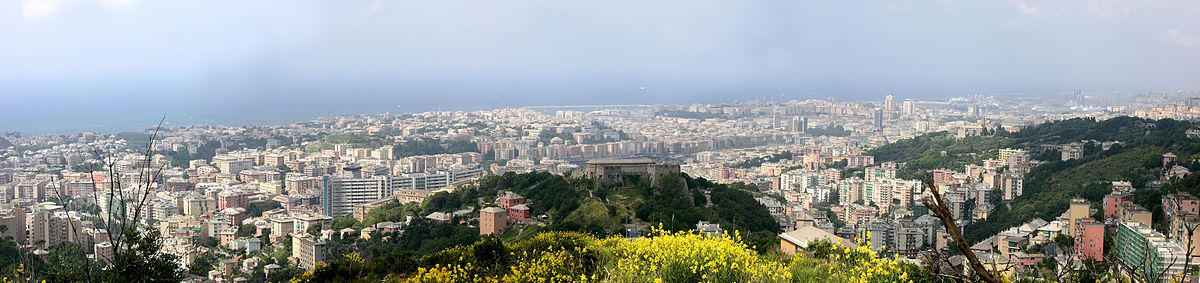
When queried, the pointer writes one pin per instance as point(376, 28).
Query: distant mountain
point(4, 142)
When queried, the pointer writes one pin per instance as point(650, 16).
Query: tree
point(246, 230)
point(938, 207)
point(283, 251)
point(210, 242)
point(314, 230)
point(142, 261)
point(255, 209)
point(137, 251)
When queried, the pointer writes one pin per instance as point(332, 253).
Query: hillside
point(575, 205)
point(577, 257)
point(1049, 186)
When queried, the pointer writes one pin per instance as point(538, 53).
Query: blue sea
point(119, 106)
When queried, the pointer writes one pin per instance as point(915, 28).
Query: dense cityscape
point(617, 141)
point(269, 203)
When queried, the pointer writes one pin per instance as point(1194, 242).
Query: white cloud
point(1027, 9)
point(1110, 9)
point(40, 9)
point(1178, 37)
point(118, 4)
point(37, 9)
point(375, 7)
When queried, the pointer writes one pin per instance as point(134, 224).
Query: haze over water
point(117, 65)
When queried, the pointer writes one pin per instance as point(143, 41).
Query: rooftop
point(492, 210)
point(622, 161)
point(808, 234)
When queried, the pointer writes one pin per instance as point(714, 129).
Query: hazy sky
point(203, 59)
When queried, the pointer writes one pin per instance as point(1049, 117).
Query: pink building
point(232, 199)
point(856, 161)
point(509, 199)
point(1187, 204)
point(1089, 238)
point(943, 176)
point(518, 213)
point(492, 221)
point(1025, 261)
point(1112, 203)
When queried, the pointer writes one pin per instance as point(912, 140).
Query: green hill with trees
point(675, 203)
point(1049, 186)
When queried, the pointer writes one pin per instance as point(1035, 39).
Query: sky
point(71, 65)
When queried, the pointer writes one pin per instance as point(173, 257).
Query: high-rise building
point(1147, 251)
point(14, 220)
point(1014, 158)
point(232, 165)
point(50, 225)
point(798, 124)
point(1089, 238)
point(877, 118)
point(889, 103)
point(909, 107)
point(1012, 185)
point(339, 195)
point(31, 189)
point(857, 161)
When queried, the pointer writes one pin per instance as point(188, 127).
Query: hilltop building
point(611, 171)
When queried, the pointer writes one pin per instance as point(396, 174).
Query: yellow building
point(1079, 209)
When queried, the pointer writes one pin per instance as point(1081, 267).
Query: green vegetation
point(664, 257)
point(546, 135)
point(255, 209)
point(580, 237)
point(833, 131)
point(354, 140)
point(134, 140)
point(393, 211)
point(924, 153)
point(675, 203)
point(317, 147)
point(357, 141)
point(205, 151)
point(755, 162)
point(5, 143)
point(1049, 187)
point(12, 257)
point(413, 147)
point(87, 167)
